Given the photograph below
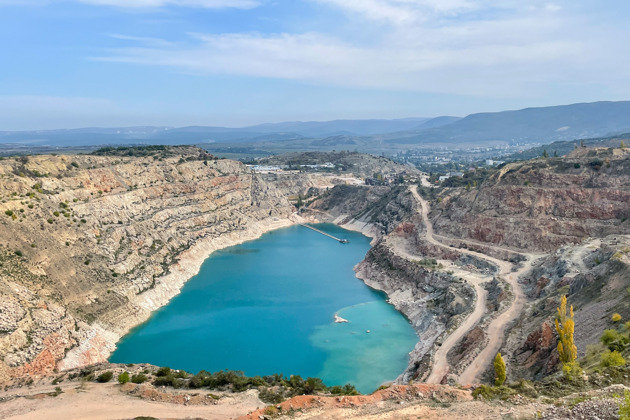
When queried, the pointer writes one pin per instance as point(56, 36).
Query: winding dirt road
point(496, 329)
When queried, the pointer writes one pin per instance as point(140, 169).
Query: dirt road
point(496, 329)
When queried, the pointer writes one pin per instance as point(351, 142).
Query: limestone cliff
point(90, 245)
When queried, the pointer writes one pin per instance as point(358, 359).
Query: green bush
point(105, 376)
point(169, 380)
point(269, 397)
point(486, 392)
point(614, 340)
point(612, 359)
point(609, 336)
point(139, 378)
point(163, 371)
point(8, 212)
point(123, 378)
point(572, 371)
point(624, 408)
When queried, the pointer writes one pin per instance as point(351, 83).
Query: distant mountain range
point(201, 134)
point(540, 125)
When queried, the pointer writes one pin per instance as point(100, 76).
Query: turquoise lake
point(267, 306)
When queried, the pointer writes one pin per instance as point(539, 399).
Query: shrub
point(612, 359)
point(270, 411)
point(572, 371)
point(18, 253)
point(139, 378)
point(609, 337)
point(269, 397)
point(163, 371)
point(485, 392)
point(50, 221)
point(615, 317)
point(347, 389)
point(624, 407)
point(105, 376)
point(123, 378)
point(8, 212)
point(576, 165)
point(626, 326)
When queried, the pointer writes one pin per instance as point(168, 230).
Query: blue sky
point(75, 63)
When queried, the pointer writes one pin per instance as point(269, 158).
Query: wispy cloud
point(401, 11)
point(519, 51)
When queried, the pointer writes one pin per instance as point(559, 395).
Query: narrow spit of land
point(496, 329)
point(343, 241)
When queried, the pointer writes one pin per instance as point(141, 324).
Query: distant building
point(449, 175)
point(264, 168)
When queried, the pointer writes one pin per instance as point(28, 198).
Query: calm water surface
point(267, 306)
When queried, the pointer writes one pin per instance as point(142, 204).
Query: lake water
point(267, 306)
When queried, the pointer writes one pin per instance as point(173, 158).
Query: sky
point(107, 63)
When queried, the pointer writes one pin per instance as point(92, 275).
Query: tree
point(555, 153)
point(499, 370)
point(616, 317)
point(622, 145)
point(545, 154)
point(567, 350)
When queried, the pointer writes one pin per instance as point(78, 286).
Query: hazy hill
point(541, 125)
point(203, 134)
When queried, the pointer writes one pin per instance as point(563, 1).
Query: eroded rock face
point(433, 300)
point(594, 276)
point(90, 245)
point(543, 204)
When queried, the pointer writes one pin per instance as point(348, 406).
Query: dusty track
point(496, 329)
